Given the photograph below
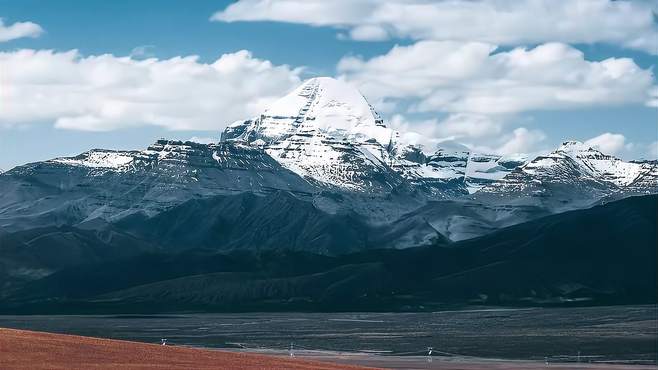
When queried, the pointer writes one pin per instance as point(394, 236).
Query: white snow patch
point(99, 159)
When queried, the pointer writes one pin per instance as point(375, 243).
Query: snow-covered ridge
point(484, 169)
point(323, 105)
point(163, 150)
point(575, 172)
point(600, 166)
point(467, 172)
point(100, 158)
point(326, 132)
point(307, 130)
point(338, 163)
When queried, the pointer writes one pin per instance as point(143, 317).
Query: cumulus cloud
point(626, 23)
point(608, 143)
point(203, 139)
point(19, 30)
point(106, 92)
point(475, 126)
point(428, 133)
point(470, 77)
point(520, 141)
point(422, 133)
point(481, 134)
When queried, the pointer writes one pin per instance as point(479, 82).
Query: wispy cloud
point(143, 52)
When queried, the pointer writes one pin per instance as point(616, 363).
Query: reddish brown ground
point(20, 349)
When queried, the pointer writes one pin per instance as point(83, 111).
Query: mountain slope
point(28, 255)
point(275, 221)
point(606, 252)
point(111, 184)
point(602, 255)
point(326, 144)
point(573, 176)
point(328, 133)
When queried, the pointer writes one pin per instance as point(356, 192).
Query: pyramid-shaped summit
point(321, 105)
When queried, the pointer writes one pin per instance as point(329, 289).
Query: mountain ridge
point(328, 147)
point(552, 261)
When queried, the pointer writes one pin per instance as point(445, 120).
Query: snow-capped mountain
point(575, 173)
point(327, 148)
point(328, 133)
point(485, 169)
point(454, 172)
point(320, 105)
point(111, 184)
point(318, 172)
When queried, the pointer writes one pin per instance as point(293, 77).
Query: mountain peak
point(579, 150)
point(320, 105)
point(572, 146)
point(577, 161)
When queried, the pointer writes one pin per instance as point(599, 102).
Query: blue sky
point(167, 29)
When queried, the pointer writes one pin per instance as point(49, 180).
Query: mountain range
point(319, 176)
point(598, 256)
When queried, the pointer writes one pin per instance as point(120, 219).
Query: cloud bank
point(629, 24)
point(471, 77)
point(106, 92)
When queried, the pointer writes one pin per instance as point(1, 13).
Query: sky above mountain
point(499, 76)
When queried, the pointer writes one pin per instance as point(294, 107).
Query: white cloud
point(423, 133)
point(521, 141)
point(19, 30)
point(608, 143)
point(473, 126)
point(106, 92)
point(481, 134)
point(203, 139)
point(626, 23)
point(471, 78)
point(369, 33)
point(430, 132)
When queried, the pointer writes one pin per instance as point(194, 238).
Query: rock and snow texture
point(452, 171)
point(320, 105)
point(574, 169)
point(323, 143)
point(325, 136)
point(337, 163)
point(326, 131)
point(100, 158)
point(591, 163)
point(484, 169)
